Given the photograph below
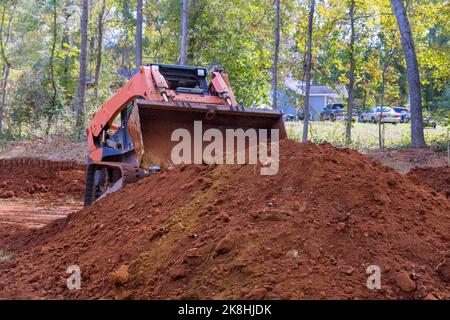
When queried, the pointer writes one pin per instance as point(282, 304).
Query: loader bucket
point(151, 125)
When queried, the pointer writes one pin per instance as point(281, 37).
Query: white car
point(377, 114)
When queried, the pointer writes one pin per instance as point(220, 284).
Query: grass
point(365, 135)
point(5, 255)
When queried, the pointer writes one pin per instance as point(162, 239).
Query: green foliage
point(235, 34)
point(440, 107)
point(31, 102)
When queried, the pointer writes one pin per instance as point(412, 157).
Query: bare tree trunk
point(82, 79)
point(381, 136)
point(184, 25)
point(7, 64)
point(4, 83)
point(52, 70)
point(364, 99)
point(351, 76)
point(161, 37)
point(380, 122)
point(65, 40)
point(126, 53)
point(275, 56)
point(308, 72)
point(98, 65)
point(139, 34)
point(412, 66)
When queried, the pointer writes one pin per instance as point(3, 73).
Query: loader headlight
point(201, 72)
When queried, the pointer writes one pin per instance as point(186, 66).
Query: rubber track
point(89, 193)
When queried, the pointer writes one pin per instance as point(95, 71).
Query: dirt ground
point(41, 179)
point(33, 213)
point(403, 160)
point(309, 232)
point(437, 178)
point(35, 192)
point(56, 149)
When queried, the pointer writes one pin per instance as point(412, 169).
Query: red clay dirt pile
point(226, 232)
point(437, 178)
point(41, 179)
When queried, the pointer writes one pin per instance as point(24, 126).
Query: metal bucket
point(151, 125)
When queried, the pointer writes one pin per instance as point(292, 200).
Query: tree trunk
point(52, 71)
point(98, 65)
point(126, 53)
point(139, 34)
point(275, 56)
point(80, 112)
point(412, 68)
point(64, 78)
point(4, 83)
point(380, 122)
point(351, 76)
point(7, 64)
point(184, 25)
point(308, 72)
point(364, 99)
point(161, 37)
point(381, 136)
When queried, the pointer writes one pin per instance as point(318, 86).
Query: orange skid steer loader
point(130, 136)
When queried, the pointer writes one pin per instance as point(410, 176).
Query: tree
point(244, 47)
point(139, 34)
point(98, 64)
point(126, 22)
point(412, 69)
point(52, 69)
point(383, 91)
point(386, 53)
point(80, 110)
point(275, 55)
point(6, 62)
point(351, 75)
point(308, 71)
point(184, 26)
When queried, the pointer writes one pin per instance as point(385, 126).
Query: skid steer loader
point(130, 136)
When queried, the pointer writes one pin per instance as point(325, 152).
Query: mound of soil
point(226, 232)
point(437, 178)
point(41, 179)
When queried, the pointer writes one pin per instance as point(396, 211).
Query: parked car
point(332, 112)
point(289, 117)
point(383, 114)
point(429, 121)
point(405, 114)
point(345, 116)
point(300, 114)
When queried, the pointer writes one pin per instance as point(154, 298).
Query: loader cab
point(184, 79)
